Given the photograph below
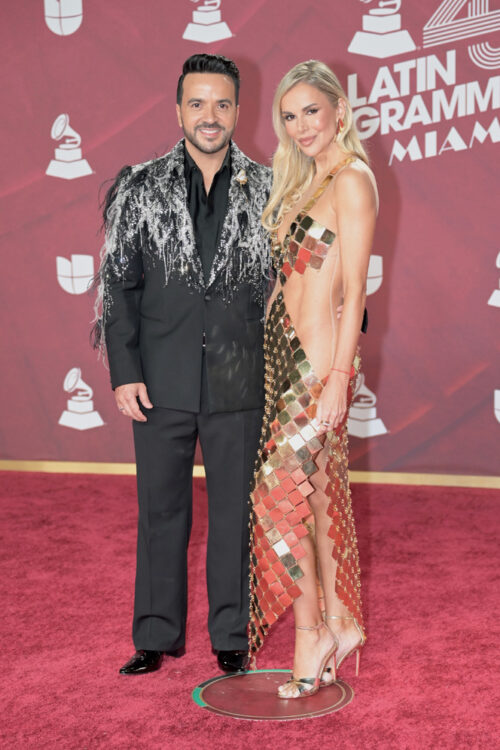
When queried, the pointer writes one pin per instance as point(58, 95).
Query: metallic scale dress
point(289, 449)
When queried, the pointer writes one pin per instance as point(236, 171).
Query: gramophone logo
point(68, 163)
point(494, 300)
point(496, 403)
point(75, 275)
point(382, 35)
point(363, 421)
point(207, 25)
point(375, 274)
point(79, 414)
point(63, 17)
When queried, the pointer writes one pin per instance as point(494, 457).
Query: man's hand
point(126, 399)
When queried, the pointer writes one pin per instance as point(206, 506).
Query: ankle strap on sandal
point(309, 627)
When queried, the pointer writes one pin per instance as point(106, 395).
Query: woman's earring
point(340, 126)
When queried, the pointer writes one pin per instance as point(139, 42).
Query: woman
point(321, 213)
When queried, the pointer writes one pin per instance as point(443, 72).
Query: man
point(182, 286)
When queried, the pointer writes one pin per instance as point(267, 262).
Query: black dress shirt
point(207, 211)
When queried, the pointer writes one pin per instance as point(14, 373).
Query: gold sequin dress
point(289, 448)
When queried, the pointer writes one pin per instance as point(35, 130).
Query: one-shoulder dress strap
point(329, 177)
point(276, 245)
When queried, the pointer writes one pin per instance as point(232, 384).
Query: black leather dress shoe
point(143, 662)
point(233, 661)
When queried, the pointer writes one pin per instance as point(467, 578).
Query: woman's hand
point(332, 404)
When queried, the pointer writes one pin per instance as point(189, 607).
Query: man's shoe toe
point(233, 661)
point(143, 662)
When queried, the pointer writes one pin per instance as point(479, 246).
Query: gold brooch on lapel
point(241, 178)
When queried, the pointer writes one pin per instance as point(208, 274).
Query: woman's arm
point(355, 205)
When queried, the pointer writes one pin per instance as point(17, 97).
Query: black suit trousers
point(165, 448)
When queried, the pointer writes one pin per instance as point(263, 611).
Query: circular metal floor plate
point(252, 695)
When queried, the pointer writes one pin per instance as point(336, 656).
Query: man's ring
point(121, 408)
point(325, 423)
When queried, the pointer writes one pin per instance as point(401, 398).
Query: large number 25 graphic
point(444, 27)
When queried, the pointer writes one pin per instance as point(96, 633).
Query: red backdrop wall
point(424, 82)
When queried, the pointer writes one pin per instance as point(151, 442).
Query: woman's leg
point(344, 628)
point(311, 646)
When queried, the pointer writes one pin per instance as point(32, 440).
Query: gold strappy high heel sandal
point(356, 649)
point(310, 685)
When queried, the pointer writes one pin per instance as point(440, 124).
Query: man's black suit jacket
point(157, 309)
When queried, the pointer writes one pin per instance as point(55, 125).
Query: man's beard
point(211, 148)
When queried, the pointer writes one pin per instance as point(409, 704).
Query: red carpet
point(428, 674)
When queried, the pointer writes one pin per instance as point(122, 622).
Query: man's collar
point(190, 164)
point(172, 165)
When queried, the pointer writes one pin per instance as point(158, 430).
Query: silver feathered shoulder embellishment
point(146, 214)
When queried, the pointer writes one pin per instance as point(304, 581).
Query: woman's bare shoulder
point(356, 184)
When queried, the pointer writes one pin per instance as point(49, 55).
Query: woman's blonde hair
point(292, 170)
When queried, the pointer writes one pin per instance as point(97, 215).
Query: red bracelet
point(337, 370)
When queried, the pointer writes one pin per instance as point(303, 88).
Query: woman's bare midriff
point(312, 298)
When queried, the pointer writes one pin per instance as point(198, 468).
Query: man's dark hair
point(210, 64)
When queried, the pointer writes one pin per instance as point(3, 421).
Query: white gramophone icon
point(68, 163)
point(80, 414)
point(363, 421)
point(496, 403)
point(75, 275)
point(63, 17)
point(375, 274)
point(382, 35)
point(494, 300)
point(207, 25)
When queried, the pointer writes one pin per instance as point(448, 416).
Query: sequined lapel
point(174, 188)
point(236, 218)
